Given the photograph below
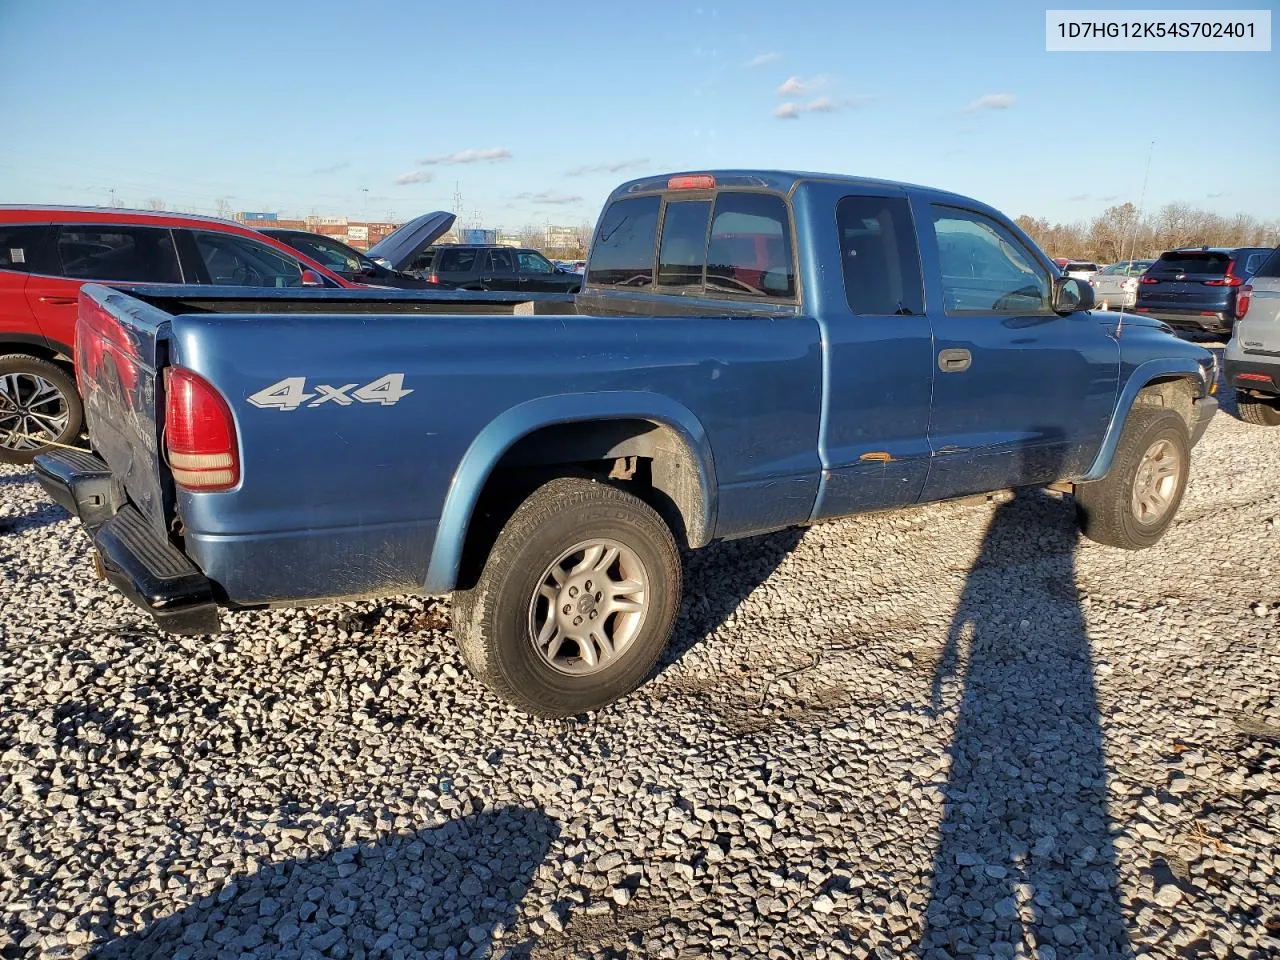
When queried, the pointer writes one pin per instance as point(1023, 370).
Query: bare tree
point(155, 203)
point(223, 207)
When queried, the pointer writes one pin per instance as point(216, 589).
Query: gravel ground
point(952, 731)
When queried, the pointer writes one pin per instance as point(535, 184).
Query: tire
point(497, 623)
point(1261, 413)
point(35, 395)
point(1109, 509)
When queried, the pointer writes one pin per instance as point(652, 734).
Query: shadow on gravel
point(17, 478)
point(717, 579)
point(409, 896)
point(40, 517)
point(1025, 854)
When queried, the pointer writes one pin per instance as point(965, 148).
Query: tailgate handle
point(58, 301)
point(954, 360)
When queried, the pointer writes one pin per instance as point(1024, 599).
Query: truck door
point(1021, 395)
point(879, 355)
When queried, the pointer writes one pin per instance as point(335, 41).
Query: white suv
point(1252, 358)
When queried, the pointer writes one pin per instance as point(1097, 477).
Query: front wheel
point(576, 600)
point(39, 406)
point(1259, 412)
point(1133, 505)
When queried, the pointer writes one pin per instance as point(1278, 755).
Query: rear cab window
point(730, 244)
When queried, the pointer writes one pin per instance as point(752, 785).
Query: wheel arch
point(560, 431)
point(1155, 377)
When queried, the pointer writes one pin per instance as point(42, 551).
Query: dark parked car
point(347, 261)
point(1197, 288)
point(500, 268)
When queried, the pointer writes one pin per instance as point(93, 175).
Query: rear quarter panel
point(344, 499)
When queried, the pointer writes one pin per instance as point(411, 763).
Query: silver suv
point(1252, 358)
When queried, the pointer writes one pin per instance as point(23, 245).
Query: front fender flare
point(1142, 376)
point(507, 428)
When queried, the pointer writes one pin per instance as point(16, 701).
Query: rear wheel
point(575, 602)
point(39, 405)
point(1133, 505)
point(1255, 410)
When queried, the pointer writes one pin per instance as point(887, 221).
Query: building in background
point(560, 238)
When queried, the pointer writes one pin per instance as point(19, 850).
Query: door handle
point(954, 360)
point(58, 301)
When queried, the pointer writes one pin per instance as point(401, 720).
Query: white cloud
point(1077, 197)
point(792, 111)
point(468, 156)
point(546, 196)
point(415, 176)
point(991, 101)
point(610, 166)
point(331, 168)
point(795, 86)
point(760, 59)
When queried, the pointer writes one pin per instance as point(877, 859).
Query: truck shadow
point(413, 896)
point(42, 516)
point(1025, 853)
point(717, 579)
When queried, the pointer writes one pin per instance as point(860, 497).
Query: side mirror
point(1070, 295)
point(312, 279)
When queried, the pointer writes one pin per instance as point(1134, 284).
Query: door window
point(984, 269)
point(455, 261)
point(534, 263)
point(501, 262)
point(749, 251)
point(879, 255)
point(235, 261)
point(622, 254)
point(18, 246)
point(683, 255)
point(110, 252)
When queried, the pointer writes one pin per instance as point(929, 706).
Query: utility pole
point(365, 191)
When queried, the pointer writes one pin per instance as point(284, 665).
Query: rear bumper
point(1201, 413)
point(1220, 322)
point(1253, 376)
point(142, 565)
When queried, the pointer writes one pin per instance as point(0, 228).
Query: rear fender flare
point(1143, 376)
point(507, 428)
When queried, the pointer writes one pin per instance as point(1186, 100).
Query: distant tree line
point(1121, 233)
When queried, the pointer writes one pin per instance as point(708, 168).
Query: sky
point(534, 112)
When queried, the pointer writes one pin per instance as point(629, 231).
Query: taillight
point(433, 278)
point(1242, 300)
point(1228, 280)
point(1147, 279)
point(199, 433)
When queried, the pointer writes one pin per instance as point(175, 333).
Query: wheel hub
point(33, 411)
point(588, 606)
point(1156, 482)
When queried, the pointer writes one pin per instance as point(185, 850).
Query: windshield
point(1129, 268)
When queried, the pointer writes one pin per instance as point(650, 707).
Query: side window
point(749, 251)
point(110, 252)
point(455, 261)
point(330, 254)
point(880, 257)
point(501, 261)
point(235, 261)
point(622, 254)
point(684, 244)
point(534, 263)
point(1271, 266)
point(18, 247)
point(1254, 261)
point(984, 270)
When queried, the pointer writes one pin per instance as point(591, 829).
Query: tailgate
point(120, 345)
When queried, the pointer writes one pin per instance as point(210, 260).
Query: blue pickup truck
point(751, 351)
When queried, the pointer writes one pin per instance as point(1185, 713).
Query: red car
point(46, 253)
